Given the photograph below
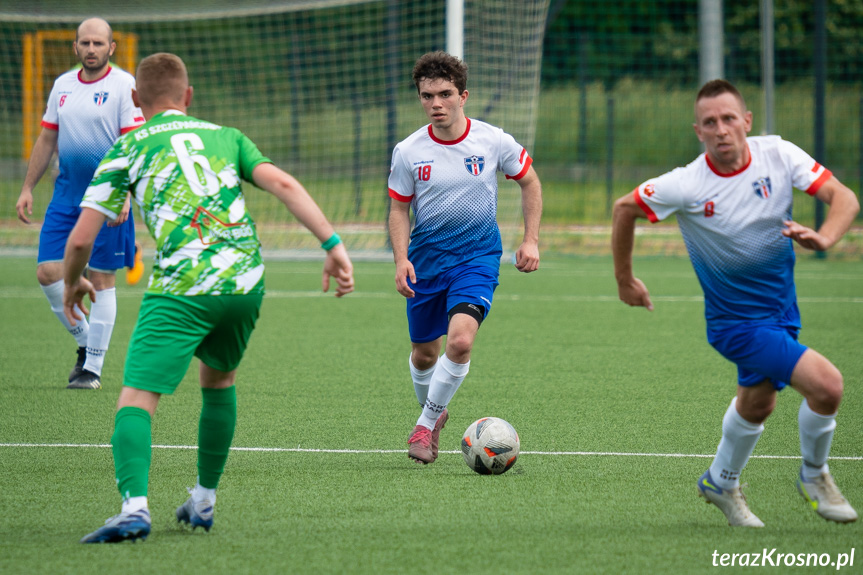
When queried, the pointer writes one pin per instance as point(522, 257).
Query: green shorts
point(171, 329)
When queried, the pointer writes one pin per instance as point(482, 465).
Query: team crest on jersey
point(762, 188)
point(474, 165)
point(100, 98)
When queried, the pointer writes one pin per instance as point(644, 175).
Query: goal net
point(323, 87)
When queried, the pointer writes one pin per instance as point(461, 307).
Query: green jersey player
point(205, 293)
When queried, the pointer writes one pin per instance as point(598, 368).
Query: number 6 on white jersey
point(204, 182)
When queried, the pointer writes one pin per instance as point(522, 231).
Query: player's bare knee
point(47, 274)
point(756, 408)
point(423, 358)
point(424, 355)
point(102, 279)
point(757, 412)
point(425, 363)
point(820, 382)
point(459, 341)
point(834, 383)
point(762, 412)
point(458, 347)
point(42, 277)
point(826, 397)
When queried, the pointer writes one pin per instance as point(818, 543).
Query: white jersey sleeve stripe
point(523, 171)
point(819, 181)
point(397, 196)
point(651, 215)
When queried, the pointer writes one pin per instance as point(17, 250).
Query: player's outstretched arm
point(844, 207)
point(40, 158)
point(298, 201)
point(78, 248)
point(400, 230)
point(631, 290)
point(527, 255)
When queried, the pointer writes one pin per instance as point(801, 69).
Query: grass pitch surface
point(619, 411)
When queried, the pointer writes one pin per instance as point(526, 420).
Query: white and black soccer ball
point(490, 446)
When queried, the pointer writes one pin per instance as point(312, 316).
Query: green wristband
point(332, 242)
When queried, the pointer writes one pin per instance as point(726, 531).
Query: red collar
point(450, 142)
point(722, 175)
point(83, 81)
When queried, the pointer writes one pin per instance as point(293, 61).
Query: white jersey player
point(733, 205)
point(88, 116)
point(747, 273)
point(88, 109)
point(448, 266)
point(452, 187)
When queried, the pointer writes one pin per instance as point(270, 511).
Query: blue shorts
point(114, 247)
point(761, 350)
point(428, 310)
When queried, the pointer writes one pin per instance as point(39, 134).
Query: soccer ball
point(490, 446)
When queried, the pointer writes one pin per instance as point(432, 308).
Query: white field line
point(385, 451)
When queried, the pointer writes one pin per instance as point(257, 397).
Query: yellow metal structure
point(47, 54)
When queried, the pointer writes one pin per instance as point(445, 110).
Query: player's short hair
point(161, 78)
point(715, 88)
point(102, 20)
point(441, 66)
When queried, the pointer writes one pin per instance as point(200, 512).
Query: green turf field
point(619, 411)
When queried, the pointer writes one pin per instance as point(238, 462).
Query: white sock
point(201, 493)
point(816, 435)
point(133, 504)
point(54, 293)
point(421, 379)
point(445, 381)
point(738, 440)
point(103, 313)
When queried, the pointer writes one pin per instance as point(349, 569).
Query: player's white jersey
point(452, 187)
point(89, 117)
point(732, 226)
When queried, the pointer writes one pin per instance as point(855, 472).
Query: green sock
point(215, 433)
point(132, 449)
